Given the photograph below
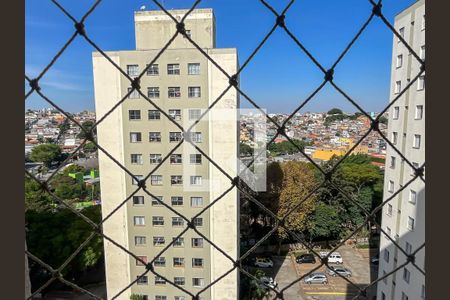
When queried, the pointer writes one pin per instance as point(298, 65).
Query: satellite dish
point(142, 7)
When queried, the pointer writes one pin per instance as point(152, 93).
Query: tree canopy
point(45, 153)
point(335, 111)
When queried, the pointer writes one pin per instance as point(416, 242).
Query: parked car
point(339, 270)
point(316, 278)
point(263, 263)
point(322, 254)
point(268, 282)
point(305, 258)
point(335, 258)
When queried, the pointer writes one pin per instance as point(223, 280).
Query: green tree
point(89, 147)
point(383, 120)
point(324, 222)
point(35, 198)
point(74, 169)
point(45, 153)
point(68, 188)
point(253, 289)
point(245, 149)
point(334, 111)
point(87, 125)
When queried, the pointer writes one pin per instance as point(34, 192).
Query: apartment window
point(157, 221)
point(178, 261)
point(198, 222)
point(175, 136)
point(153, 92)
point(175, 114)
point(389, 210)
point(155, 158)
point(177, 221)
point(404, 296)
point(194, 69)
point(160, 261)
point(406, 275)
point(416, 143)
point(423, 22)
point(197, 262)
point(197, 243)
point(133, 94)
point(179, 280)
point(158, 241)
point(174, 92)
point(396, 113)
point(134, 114)
point(388, 231)
point(399, 61)
point(198, 282)
point(173, 69)
point(154, 137)
point(412, 197)
point(415, 165)
point(153, 70)
point(408, 248)
point(393, 160)
point(194, 114)
point(386, 255)
point(135, 137)
point(178, 242)
point(155, 202)
point(410, 223)
point(195, 159)
point(422, 52)
point(136, 181)
point(179, 298)
point(139, 262)
point(194, 92)
point(154, 114)
point(384, 278)
point(139, 220)
point(401, 31)
point(419, 112)
point(176, 159)
point(142, 280)
point(391, 186)
point(422, 292)
point(383, 296)
point(421, 83)
point(196, 137)
point(176, 179)
point(177, 200)
point(159, 280)
point(398, 87)
point(140, 240)
point(138, 200)
point(156, 179)
point(394, 137)
point(160, 297)
point(133, 70)
point(196, 180)
point(136, 159)
point(196, 201)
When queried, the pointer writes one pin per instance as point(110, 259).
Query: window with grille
point(142, 261)
point(197, 242)
point(174, 92)
point(157, 220)
point(410, 223)
point(155, 158)
point(196, 180)
point(153, 92)
point(176, 159)
point(136, 159)
point(178, 242)
point(175, 114)
point(396, 113)
point(173, 69)
point(196, 201)
point(134, 114)
point(136, 181)
point(179, 280)
point(176, 179)
point(177, 221)
point(194, 92)
point(175, 136)
point(154, 137)
point(159, 280)
point(156, 179)
point(198, 282)
point(153, 70)
point(160, 261)
point(135, 137)
point(419, 112)
point(155, 202)
point(195, 159)
point(394, 137)
point(408, 248)
point(158, 241)
point(412, 196)
point(139, 220)
point(160, 297)
point(154, 114)
point(142, 280)
point(416, 143)
point(133, 94)
point(198, 222)
point(197, 262)
point(179, 298)
point(133, 70)
point(421, 83)
point(140, 240)
point(194, 114)
point(177, 200)
point(178, 261)
point(193, 68)
point(398, 87)
point(138, 200)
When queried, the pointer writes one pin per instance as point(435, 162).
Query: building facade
point(182, 82)
point(403, 218)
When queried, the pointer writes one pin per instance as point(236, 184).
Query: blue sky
point(280, 76)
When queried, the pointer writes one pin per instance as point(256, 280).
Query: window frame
point(173, 92)
point(154, 114)
point(135, 218)
point(135, 72)
point(418, 114)
point(138, 203)
point(153, 92)
point(133, 94)
point(134, 115)
point(138, 137)
point(197, 70)
point(194, 92)
point(151, 70)
point(156, 139)
point(173, 69)
point(136, 159)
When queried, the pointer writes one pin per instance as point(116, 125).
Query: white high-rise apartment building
point(183, 83)
point(404, 216)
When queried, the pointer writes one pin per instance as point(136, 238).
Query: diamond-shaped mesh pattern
point(279, 20)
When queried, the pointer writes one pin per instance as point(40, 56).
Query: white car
point(268, 282)
point(263, 263)
point(334, 258)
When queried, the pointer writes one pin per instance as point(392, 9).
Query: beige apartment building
point(183, 83)
point(403, 218)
